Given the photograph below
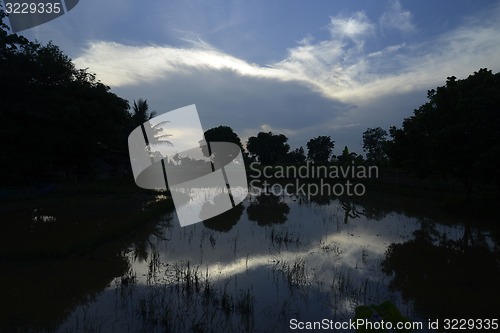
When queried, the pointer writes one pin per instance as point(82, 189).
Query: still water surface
point(276, 258)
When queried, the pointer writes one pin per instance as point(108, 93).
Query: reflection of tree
point(44, 289)
point(225, 221)
point(376, 205)
point(374, 212)
point(446, 278)
point(142, 244)
point(351, 210)
point(321, 200)
point(268, 209)
point(41, 301)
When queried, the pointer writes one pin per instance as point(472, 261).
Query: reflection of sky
point(341, 261)
point(328, 247)
point(314, 226)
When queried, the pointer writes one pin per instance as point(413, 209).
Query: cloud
point(347, 73)
point(356, 28)
point(245, 103)
point(320, 87)
point(397, 19)
point(330, 67)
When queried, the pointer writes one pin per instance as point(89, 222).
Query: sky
point(298, 67)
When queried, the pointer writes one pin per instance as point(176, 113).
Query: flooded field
point(271, 261)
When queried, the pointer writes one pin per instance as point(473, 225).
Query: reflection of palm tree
point(350, 211)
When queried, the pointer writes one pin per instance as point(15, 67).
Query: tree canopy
point(296, 156)
point(223, 134)
point(456, 133)
point(268, 147)
point(141, 113)
point(53, 116)
point(374, 144)
point(320, 149)
point(348, 158)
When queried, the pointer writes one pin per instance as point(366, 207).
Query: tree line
point(55, 117)
point(456, 134)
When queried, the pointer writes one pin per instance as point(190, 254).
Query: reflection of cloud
point(374, 240)
point(342, 261)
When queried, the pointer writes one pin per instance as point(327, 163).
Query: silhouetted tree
point(296, 156)
point(223, 134)
point(53, 117)
point(268, 147)
point(456, 133)
point(320, 149)
point(9, 43)
point(140, 116)
point(141, 112)
point(375, 144)
point(348, 158)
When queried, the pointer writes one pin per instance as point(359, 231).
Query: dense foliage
point(320, 149)
point(53, 117)
point(456, 133)
point(268, 147)
point(222, 134)
point(374, 144)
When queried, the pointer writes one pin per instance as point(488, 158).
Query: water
point(268, 261)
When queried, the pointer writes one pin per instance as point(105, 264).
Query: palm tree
point(140, 118)
point(141, 112)
point(142, 115)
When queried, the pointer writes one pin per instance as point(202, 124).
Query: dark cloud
point(247, 104)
